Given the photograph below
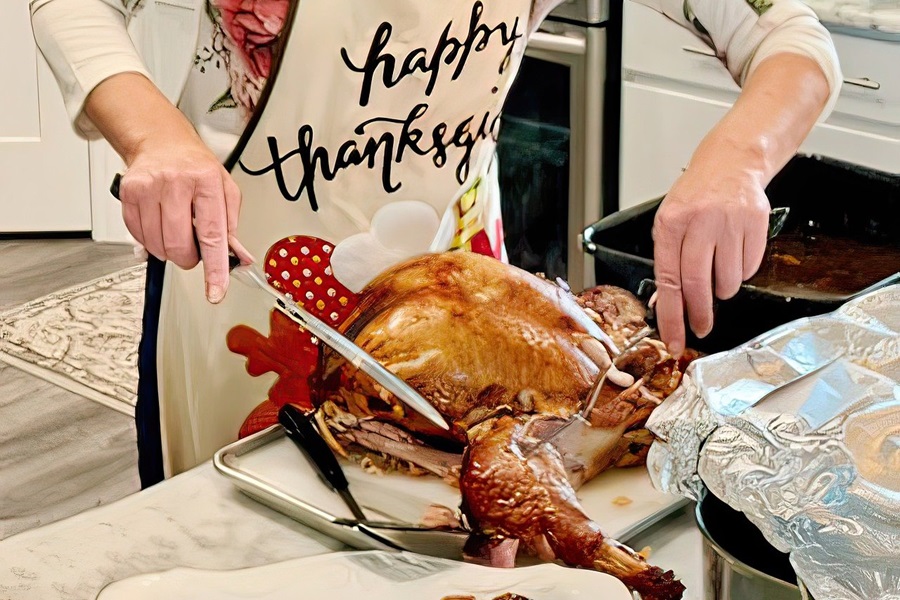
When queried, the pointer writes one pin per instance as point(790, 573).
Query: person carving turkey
point(377, 135)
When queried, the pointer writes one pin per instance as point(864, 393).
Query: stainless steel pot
point(726, 533)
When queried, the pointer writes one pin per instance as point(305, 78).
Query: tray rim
point(325, 523)
point(350, 532)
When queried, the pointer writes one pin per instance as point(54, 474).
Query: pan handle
point(592, 232)
point(777, 219)
point(646, 289)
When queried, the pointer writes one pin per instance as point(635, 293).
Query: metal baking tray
point(268, 467)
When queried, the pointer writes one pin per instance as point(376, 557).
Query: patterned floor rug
point(84, 338)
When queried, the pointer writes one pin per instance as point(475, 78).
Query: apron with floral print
point(376, 144)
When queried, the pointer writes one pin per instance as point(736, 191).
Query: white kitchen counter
point(198, 519)
point(857, 14)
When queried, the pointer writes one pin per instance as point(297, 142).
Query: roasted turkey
point(508, 358)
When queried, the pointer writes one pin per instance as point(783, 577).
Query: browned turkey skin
point(495, 350)
point(514, 486)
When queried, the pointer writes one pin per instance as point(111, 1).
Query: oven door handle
point(552, 42)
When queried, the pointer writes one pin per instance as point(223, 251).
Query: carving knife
point(358, 357)
point(251, 275)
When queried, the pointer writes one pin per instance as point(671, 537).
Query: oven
point(558, 143)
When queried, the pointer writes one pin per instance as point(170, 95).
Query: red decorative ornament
point(299, 267)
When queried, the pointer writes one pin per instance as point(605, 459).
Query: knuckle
point(136, 186)
point(668, 224)
point(207, 174)
point(667, 282)
point(695, 284)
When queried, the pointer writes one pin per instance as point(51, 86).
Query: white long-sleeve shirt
point(87, 41)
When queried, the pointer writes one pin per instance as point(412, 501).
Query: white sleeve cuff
point(822, 55)
point(85, 42)
point(784, 29)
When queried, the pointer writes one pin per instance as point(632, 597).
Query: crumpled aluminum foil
point(800, 430)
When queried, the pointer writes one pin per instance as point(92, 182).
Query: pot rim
point(736, 564)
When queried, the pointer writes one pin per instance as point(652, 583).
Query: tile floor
point(60, 453)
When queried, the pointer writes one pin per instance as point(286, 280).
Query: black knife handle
point(300, 429)
point(233, 260)
point(114, 186)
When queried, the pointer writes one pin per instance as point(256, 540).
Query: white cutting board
point(623, 501)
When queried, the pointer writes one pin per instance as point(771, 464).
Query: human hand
point(709, 236)
point(176, 188)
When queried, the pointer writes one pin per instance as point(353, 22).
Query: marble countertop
point(199, 519)
point(882, 17)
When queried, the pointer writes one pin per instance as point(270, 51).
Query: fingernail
point(214, 293)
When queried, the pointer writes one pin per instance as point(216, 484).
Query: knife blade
point(359, 358)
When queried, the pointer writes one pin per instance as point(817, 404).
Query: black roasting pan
point(826, 197)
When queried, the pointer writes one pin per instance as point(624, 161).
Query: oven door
point(550, 151)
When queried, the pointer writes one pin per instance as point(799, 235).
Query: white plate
point(368, 575)
point(622, 501)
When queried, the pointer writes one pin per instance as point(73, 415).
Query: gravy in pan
point(825, 266)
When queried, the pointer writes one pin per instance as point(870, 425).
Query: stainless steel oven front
point(551, 143)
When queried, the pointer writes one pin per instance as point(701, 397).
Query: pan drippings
point(823, 265)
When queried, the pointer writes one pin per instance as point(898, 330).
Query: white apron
point(379, 137)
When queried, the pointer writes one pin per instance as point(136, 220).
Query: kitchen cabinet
point(674, 92)
point(44, 174)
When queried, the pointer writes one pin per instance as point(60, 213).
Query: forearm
point(177, 198)
point(778, 107)
point(85, 42)
point(134, 116)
